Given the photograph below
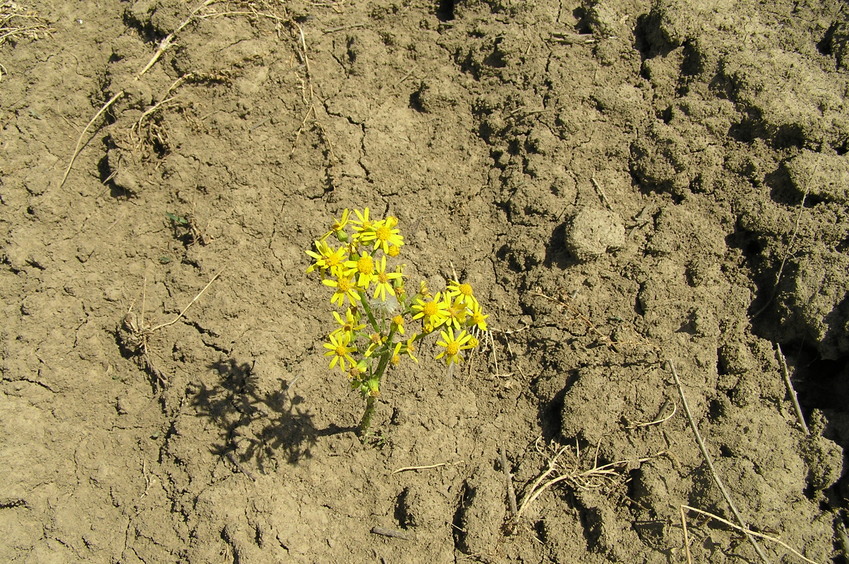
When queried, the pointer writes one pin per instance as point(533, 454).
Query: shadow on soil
point(258, 425)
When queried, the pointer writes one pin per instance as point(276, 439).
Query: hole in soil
point(824, 384)
point(539, 527)
point(809, 491)
point(583, 26)
point(402, 513)
point(459, 533)
point(647, 39)
point(693, 62)
point(445, 11)
point(716, 409)
point(824, 46)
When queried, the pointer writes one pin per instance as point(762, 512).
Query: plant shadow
point(255, 424)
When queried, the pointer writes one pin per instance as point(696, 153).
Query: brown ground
point(623, 182)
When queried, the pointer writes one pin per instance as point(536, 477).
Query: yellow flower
point(358, 370)
point(456, 311)
point(402, 347)
point(340, 351)
point(377, 341)
point(362, 267)
point(463, 292)
point(432, 312)
point(423, 289)
point(396, 354)
point(338, 227)
point(398, 323)
point(384, 280)
point(409, 348)
point(383, 234)
point(453, 345)
point(347, 325)
point(327, 257)
point(362, 224)
point(477, 318)
point(345, 288)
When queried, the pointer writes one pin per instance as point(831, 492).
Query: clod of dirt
point(434, 95)
point(839, 45)
point(592, 232)
point(815, 306)
point(481, 512)
point(118, 163)
point(823, 458)
point(405, 508)
point(822, 176)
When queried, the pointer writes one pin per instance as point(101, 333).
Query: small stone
point(592, 232)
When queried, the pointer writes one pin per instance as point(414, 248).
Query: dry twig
point(792, 242)
point(709, 462)
point(746, 531)
point(790, 391)
point(79, 144)
point(135, 334)
point(428, 467)
point(508, 478)
point(163, 46)
point(16, 22)
point(392, 533)
point(575, 474)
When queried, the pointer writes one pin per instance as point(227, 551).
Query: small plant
point(186, 229)
point(379, 321)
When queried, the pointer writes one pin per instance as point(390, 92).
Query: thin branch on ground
point(790, 244)
point(711, 467)
point(17, 22)
point(746, 531)
point(166, 43)
point(135, 335)
point(427, 467)
point(575, 474)
point(79, 144)
point(785, 373)
point(508, 478)
point(185, 309)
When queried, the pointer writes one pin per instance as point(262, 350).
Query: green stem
point(371, 319)
point(365, 422)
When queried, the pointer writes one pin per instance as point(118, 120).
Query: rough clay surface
point(713, 137)
point(591, 232)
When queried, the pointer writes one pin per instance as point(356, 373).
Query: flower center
point(344, 284)
point(465, 289)
point(383, 233)
point(453, 348)
point(340, 350)
point(333, 260)
point(382, 278)
point(430, 309)
point(365, 265)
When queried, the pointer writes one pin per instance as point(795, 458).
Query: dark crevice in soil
point(458, 532)
point(445, 10)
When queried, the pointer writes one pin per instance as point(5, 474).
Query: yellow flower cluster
point(371, 333)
